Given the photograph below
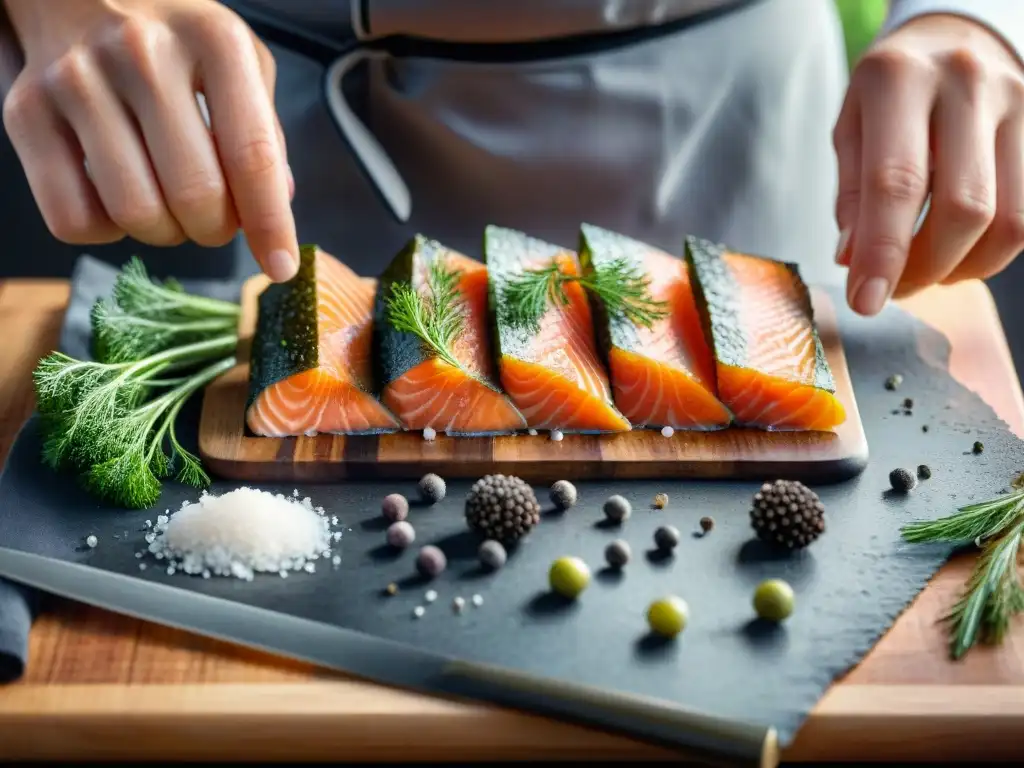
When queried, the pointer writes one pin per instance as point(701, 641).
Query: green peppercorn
point(773, 600)
point(668, 616)
point(569, 576)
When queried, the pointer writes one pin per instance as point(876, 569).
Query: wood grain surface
point(103, 686)
point(818, 457)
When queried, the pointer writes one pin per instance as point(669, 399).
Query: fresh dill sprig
point(136, 293)
point(119, 336)
point(993, 594)
point(620, 286)
point(112, 419)
point(435, 316)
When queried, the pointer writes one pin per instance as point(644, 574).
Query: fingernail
point(291, 183)
point(871, 296)
point(281, 266)
point(844, 239)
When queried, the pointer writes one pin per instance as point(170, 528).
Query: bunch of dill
point(112, 419)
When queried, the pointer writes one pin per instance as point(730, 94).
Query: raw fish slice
point(553, 373)
point(459, 395)
point(771, 368)
point(311, 369)
point(662, 375)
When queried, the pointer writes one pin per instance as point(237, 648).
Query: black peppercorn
point(787, 513)
point(893, 382)
point(908, 403)
point(978, 447)
point(924, 471)
point(707, 523)
point(924, 427)
point(902, 480)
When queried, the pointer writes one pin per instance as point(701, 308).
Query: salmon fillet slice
point(551, 372)
point(771, 368)
point(662, 373)
point(310, 369)
point(449, 387)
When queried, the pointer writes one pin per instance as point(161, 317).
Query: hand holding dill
point(112, 419)
point(435, 315)
point(622, 289)
point(993, 594)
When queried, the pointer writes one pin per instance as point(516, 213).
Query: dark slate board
point(850, 585)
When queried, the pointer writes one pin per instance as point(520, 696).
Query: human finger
point(846, 139)
point(894, 175)
point(268, 69)
point(1004, 239)
point(155, 77)
point(119, 164)
point(963, 188)
point(54, 165)
point(242, 119)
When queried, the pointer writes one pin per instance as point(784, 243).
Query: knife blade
point(698, 737)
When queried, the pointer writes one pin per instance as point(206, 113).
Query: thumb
point(846, 139)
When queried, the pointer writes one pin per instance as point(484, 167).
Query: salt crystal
point(138, 555)
point(531, 431)
point(334, 520)
point(170, 570)
point(142, 566)
point(91, 541)
point(458, 604)
point(418, 611)
point(336, 561)
point(429, 433)
point(431, 596)
point(556, 435)
point(148, 524)
point(478, 600)
point(667, 431)
point(241, 533)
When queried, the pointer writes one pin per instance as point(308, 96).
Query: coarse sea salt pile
point(241, 533)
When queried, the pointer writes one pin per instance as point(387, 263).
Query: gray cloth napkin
point(90, 280)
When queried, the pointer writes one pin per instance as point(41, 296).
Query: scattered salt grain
point(429, 433)
point(241, 533)
point(667, 431)
point(478, 600)
point(531, 431)
point(418, 611)
point(309, 568)
point(142, 566)
point(431, 596)
point(458, 604)
point(138, 555)
point(556, 435)
point(148, 524)
point(336, 561)
point(91, 541)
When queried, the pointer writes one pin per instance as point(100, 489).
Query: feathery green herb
point(621, 287)
point(436, 315)
point(993, 594)
point(112, 419)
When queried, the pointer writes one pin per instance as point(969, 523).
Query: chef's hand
point(105, 121)
point(937, 108)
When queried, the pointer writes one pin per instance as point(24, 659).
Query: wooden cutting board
point(230, 451)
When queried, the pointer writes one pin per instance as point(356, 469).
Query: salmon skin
point(551, 370)
point(662, 370)
point(448, 385)
point(310, 370)
point(771, 367)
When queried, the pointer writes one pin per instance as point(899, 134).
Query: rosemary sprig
point(621, 287)
point(435, 316)
point(993, 594)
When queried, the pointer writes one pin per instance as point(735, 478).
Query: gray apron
point(716, 126)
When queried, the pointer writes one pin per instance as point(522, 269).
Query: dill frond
point(622, 288)
point(435, 315)
point(137, 293)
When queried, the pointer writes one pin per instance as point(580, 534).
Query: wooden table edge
point(221, 717)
